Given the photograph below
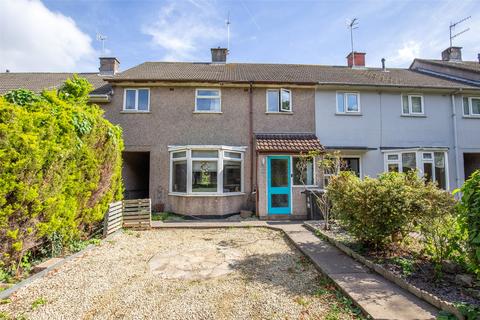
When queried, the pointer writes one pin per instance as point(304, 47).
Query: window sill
point(207, 112)
point(356, 114)
point(134, 111)
point(206, 194)
point(413, 115)
point(472, 117)
point(286, 113)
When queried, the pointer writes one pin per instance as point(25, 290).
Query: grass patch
point(38, 303)
point(166, 216)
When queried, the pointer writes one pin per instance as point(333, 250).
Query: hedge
point(60, 167)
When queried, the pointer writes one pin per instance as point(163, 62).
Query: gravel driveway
point(183, 274)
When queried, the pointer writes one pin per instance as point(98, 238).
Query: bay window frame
point(221, 152)
point(419, 161)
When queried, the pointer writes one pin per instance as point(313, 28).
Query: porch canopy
point(287, 142)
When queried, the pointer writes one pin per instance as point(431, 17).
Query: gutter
point(99, 98)
point(455, 139)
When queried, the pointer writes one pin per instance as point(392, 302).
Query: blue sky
point(53, 35)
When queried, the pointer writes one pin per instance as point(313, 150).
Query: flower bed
point(454, 290)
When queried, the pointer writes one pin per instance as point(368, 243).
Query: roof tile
point(288, 142)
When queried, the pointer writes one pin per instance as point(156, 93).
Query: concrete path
point(378, 297)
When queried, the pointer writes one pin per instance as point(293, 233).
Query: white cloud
point(423, 34)
point(405, 55)
point(185, 30)
point(33, 38)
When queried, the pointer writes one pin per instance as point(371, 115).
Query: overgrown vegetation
point(60, 167)
point(385, 210)
point(403, 219)
point(469, 212)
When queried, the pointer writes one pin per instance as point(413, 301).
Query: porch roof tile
point(287, 142)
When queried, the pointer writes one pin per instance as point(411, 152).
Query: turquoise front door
point(278, 185)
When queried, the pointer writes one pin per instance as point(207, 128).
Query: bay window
point(430, 163)
point(206, 170)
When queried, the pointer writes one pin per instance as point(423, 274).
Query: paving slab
point(375, 295)
point(383, 299)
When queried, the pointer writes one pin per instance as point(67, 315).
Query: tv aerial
point(452, 28)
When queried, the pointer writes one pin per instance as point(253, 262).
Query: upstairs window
point(348, 102)
point(471, 106)
point(279, 100)
point(412, 105)
point(207, 100)
point(136, 100)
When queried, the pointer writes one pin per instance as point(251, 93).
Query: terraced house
point(214, 138)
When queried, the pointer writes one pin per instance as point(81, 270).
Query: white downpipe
point(455, 142)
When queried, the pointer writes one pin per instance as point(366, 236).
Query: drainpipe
point(251, 138)
point(455, 139)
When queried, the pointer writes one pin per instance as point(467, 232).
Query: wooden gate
point(113, 218)
point(127, 214)
point(137, 213)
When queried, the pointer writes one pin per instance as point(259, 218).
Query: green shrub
point(469, 211)
point(60, 166)
point(384, 210)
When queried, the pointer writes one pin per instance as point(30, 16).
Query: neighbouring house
point(211, 139)
point(467, 111)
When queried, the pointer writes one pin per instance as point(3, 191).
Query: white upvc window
point(471, 106)
point(412, 105)
point(351, 163)
point(279, 100)
point(303, 177)
point(136, 99)
point(206, 170)
point(208, 100)
point(431, 164)
point(348, 102)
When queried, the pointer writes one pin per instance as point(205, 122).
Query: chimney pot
point(109, 66)
point(219, 55)
point(356, 59)
point(383, 64)
point(452, 54)
point(478, 56)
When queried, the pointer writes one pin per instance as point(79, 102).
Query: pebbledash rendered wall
point(380, 125)
point(172, 121)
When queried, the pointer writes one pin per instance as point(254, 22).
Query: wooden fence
point(137, 213)
point(127, 214)
point(113, 218)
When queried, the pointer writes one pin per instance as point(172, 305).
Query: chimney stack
point(109, 66)
point(219, 55)
point(356, 59)
point(452, 54)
